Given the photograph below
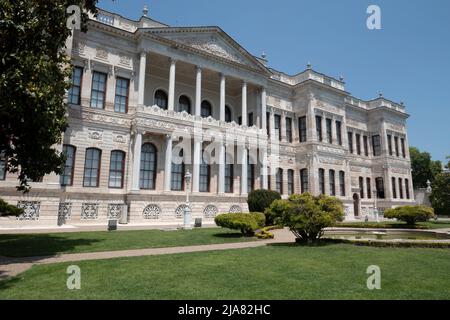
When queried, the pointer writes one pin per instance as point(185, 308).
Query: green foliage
point(33, 80)
point(247, 223)
point(264, 233)
point(259, 200)
point(306, 215)
point(423, 168)
point(440, 194)
point(7, 209)
point(410, 214)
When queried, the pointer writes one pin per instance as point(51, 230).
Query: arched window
point(206, 109)
point(279, 181)
point(147, 175)
point(92, 167)
point(116, 169)
point(227, 114)
point(184, 104)
point(66, 178)
point(161, 99)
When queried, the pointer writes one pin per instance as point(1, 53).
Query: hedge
point(247, 223)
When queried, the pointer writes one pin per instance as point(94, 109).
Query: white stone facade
point(205, 64)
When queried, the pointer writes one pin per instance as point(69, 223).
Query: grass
point(396, 225)
point(25, 245)
point(332, 271)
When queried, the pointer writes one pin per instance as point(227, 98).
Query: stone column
point(168, 163)
point(172, 71)
point(198, 92)
point(311, 120)
point(263, 109)
point(264, 171)
point(196, 165)
point(283, 126)
point(244, 165)
point(244, 104)
point(324, 128)
point(272, 124)
point(333, 131)
point(222, 97)
point(141, 88)
point(136, 160)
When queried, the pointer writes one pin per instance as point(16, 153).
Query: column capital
point(172, 60)
point(198, 68)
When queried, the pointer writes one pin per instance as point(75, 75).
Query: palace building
point(137, 86)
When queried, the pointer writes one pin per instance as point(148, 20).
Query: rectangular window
point(319, 128)
point(407, 188)
point(250, 177)
point(250, 119)
point(332, 183)
point(268, 123)
point(289, 129)
point(402, 143)
point(342, 183)
point(358, 143)
point(350, 141)
point(304, 180)
point(229, 176)
point(376, 145)
point(400, 187)
point(204, 177)
point(302, 129)
point(98, 91)
point(92, 167)
point(277, 121)
point(339, 132)
point(369, 188)
point(290, 177)
point(397, 153)
point(322, 181)
point(361, 187)
point(66, 178)
point(366, 146)
point(177, 177)
point(329, 131)
point(116, 169)
point(389, 138)
point(121, 100)
point(239, 120)
point(379, 183)
point(74, 94)
point(279, 181)
point(394, 189)
point(2, 166)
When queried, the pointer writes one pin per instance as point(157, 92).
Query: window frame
point(80, 86)
point(304, 180)
point(319, 132)
point(289, 129)
point(290, 182)
point(65, 166)
point(339, 132)
point(189, 104)
point(206, 105)
point(379, 184)
point(350, 141)
point(103, 74)
point(332, 182)
point(302, 129)
point(164, 96)
point(366, 146)
point(361, 187)
point(98, 168)
point(369, 188)
point(394, 187)
point(358, 143)
point(202, 175)
point(376, 145)
point(328, 125)
point(143, 169)
point(342, 190)
point(321, 181)
point(277, 125)
point(122, 172)
point(127, 81)
point(279, 181)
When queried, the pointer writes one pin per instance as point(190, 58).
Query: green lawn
point(334, 271)
point(24, 245)
point(395, 225)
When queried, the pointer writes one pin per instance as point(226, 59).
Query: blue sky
point(408, 59)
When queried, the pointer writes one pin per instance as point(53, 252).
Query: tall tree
point(423, 168)
point(33, 81)
point(440, 194)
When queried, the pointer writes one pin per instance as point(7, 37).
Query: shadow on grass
point(6, 283)
point(320, 243)
point(231, 235)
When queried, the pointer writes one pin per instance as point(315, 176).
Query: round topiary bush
point(410, 214)
point(247, 223)
point(260, 200)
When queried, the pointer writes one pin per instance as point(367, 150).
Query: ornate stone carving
point(330, 149)
point(95, 134)
point(210, 211)
point(235, 209)
point(179, 211)
point(119, 138)
point(151, 212)
point(399, 170)
point(327, 160)
point(65, 210)
point(89, 211)
point(101, 53)
point(125, 60)
point(115, 210)
point(30, 210)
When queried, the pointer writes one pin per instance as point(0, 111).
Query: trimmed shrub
point(7, 209)
point(247, 223)
point(410, 214)
point(260, 200)
point(264, 234)
point(440, 194)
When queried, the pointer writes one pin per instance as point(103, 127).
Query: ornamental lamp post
point(187, 209)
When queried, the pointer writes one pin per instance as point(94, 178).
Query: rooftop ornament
point(308, 66)
point(145, 10)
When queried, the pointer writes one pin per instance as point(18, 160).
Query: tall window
point(66, 178)
point(304, 180)
point(116, 169)
point(228, 114)
point(250, 175)
point(289, 129)
point(177, 175)
point(121, 99)
point(400, 187)
point(329, 131)
point(302, 129)
point(342, 183)
point(358, 143)
point(389, 139)
point(92, 167)
point(277, 120)
point(206, 109)
point(394, 189)
point(205, 176)
point(161, 99)
point(369, 188)
point(147, 174)
point(376, 145)
point(290, 178)
point(74, 94)
point(379, 183)
point(322, 181)
point(366, 146)
point(2, 167)
point(279, 181)
point(332, 183)
point(250, 119)
point(98, 90)
point(184, 104)
point(361, 187)
point(339, 132)
point(229, 176)
point(402, 143)
point(268, 123)
point(319, 128)
point(407, 188)
point(397, 153)
point(350, 141)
